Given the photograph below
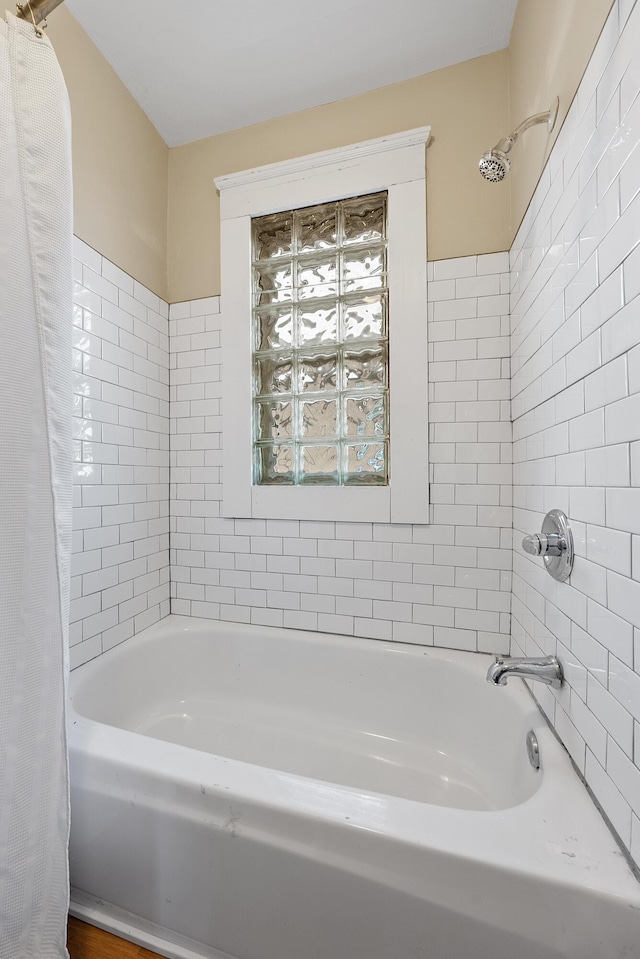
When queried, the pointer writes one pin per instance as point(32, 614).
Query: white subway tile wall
point(447, 583)
point(575, 309)
point(120, 563)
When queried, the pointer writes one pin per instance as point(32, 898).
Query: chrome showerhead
point(494, 165)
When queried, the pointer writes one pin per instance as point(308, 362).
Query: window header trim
point(286, 169)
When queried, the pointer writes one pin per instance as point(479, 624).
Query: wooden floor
point(87, 942)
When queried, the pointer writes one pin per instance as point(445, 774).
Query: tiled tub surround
point(120, 565)
point(576, 408)
point(447, 583)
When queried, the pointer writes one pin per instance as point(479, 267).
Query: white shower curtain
point(35, 492)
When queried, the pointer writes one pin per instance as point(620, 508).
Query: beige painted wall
point(466, 106)
point(154, 212)
point(469, 107)
point(551, 43)
point(120, 161)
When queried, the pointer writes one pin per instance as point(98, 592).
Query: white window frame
point(396, 164)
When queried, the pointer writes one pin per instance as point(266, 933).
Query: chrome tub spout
point(546, 669)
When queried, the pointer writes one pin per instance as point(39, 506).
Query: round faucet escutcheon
point(554, 544)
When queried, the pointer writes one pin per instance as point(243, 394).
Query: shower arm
point(547, 116)
point(35, 11)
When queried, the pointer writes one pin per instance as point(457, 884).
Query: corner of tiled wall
point(575, 305)
point(447, 583)
point(120, 563)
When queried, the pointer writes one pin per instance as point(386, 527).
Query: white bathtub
point(264, 794)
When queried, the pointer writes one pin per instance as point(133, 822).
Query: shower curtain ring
point(39, 31)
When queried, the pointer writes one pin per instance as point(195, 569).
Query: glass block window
point(320, 341)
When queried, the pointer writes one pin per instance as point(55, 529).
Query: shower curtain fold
point(35, 492)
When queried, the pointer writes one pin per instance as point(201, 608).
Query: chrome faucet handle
point(544, 544)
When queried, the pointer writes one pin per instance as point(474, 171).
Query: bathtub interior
point(387, 718)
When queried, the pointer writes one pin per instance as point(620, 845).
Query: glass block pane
point(319, 465)
point(274, 420)
point(363, 269)
point(365, 416)
point(317, 277)
point(364, 218)
point(274, 374)
point(275, 465)
point(365, 317)
point(365, 369)
point(366, 464)
point(318, 418)
point(318, 325)
point(316, 228)
point(272, 236)
point(273, 283)
point(318, 373)
point(274, 329)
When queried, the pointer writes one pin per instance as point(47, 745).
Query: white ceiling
point(201, 68)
